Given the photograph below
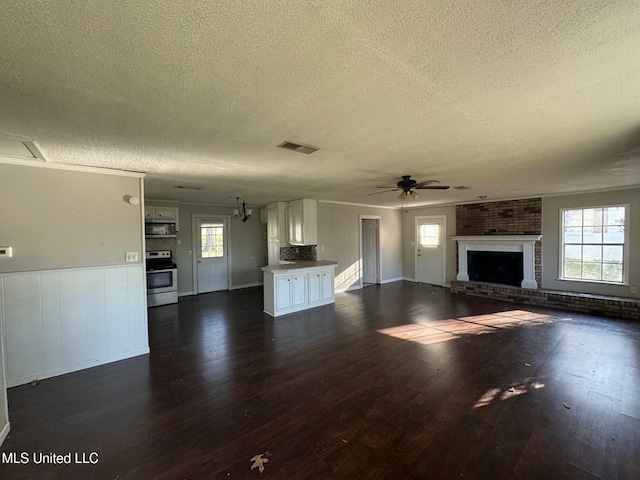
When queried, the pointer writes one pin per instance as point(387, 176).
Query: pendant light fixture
point(242, 213)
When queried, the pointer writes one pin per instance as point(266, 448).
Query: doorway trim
point(378, 256)
point(195, 244)
point(416, 244)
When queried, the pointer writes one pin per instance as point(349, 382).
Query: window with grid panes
point(594, 244)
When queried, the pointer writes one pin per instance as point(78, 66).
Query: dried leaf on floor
point(259, 460)
point(34, 383)
point(566, 405)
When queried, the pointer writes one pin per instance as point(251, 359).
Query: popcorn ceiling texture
point(510, 98)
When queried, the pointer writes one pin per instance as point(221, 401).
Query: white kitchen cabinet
point(315, 287)
point(283, 293)
point(161, 214)
point(328, 292)
point(321, 288)
point(296, 287)
point(302, 222)
point(299, 289)
point(276, 236)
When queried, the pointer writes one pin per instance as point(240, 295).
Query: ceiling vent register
point(296, 147)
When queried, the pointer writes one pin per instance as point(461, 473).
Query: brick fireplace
point(500, 253)
point(505, 218)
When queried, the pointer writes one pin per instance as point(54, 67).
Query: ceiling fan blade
point(433, 187)
point(426, 182)
point(393, 190)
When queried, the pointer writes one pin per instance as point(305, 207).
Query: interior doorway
point(431, 250)
point(370, 249)
point(211, 253)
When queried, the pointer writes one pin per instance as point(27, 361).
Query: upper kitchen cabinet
point(276, 230)
point(302, 222)
point(161, 215)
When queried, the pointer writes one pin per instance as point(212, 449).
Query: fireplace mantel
point(499, 243)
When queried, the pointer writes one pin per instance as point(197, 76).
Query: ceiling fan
point(409, 187)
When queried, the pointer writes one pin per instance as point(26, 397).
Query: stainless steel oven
point(162, 278)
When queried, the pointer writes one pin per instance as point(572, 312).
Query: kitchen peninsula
point(294, 286)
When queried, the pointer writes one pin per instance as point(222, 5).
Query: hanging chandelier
point(242, 213)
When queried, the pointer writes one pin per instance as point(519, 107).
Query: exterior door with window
point(212, 259)
point(430, 250)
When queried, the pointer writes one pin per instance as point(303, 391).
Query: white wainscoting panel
point(60, 321)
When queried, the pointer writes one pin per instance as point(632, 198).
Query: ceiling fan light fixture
point(403, 196)
point(414, 195)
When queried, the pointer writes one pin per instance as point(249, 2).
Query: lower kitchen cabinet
point(295, 289)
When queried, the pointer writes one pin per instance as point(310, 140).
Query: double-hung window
point(594, 245)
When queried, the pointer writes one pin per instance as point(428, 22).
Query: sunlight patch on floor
point(436, 331)
point(499, 394)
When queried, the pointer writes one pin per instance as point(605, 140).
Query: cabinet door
point(149, 213)
point(166, 213)
point(315, 287)
point(299, 290)
point(283, 293)
point(294, 223)
point(272, 223)
point(327, 285)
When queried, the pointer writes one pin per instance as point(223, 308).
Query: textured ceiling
point(510, 99)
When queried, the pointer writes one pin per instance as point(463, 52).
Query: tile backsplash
point(307, 252)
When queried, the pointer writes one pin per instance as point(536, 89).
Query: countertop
point(298, 265)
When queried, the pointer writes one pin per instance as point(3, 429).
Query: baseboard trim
point(407, 279)
point(14, 382)
point(247, 285)
point(350, 289)
point(4, 432)
point(185, 294)
point(391, 280)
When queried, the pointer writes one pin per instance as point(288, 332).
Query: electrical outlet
point(131, 257)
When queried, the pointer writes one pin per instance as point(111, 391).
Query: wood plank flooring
point(401, 381)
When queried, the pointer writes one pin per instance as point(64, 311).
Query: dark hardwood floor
point(401, 381)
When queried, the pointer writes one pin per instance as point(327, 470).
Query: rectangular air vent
point(19, 148)
point(188, 187)
point(296, 147)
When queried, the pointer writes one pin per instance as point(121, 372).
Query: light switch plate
point(131, 257)
point(6, 252)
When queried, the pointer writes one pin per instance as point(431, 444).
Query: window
point(212, 240)
point(594, 244)
point(429, 235)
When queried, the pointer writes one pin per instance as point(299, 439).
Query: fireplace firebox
point(495, 267)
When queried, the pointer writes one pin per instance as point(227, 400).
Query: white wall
point(59, 321)
point(409, 235)
point(69, 299)
point(551, 240)
point(60, 219)
point(4, 408)
point(339, 235)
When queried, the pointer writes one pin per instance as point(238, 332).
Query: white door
point(430, 250)
point(369, 250)
point(212, 260)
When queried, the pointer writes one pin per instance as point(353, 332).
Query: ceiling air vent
point(296, 147)
point(20, 148)
point(188, 187)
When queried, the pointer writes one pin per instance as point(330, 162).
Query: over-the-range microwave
point(160, 229)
